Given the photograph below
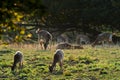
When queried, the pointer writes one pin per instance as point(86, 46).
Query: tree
point(15, 11)
point(86, 16)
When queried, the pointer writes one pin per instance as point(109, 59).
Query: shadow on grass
point(86, 78)
point(5, 51)
point(58, 73)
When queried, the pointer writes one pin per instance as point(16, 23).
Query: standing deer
point(103, 37)
point(82, 39)
point(58, 58)
point(18, 58)
point(45, 35)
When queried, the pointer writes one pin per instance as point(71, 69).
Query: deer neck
point(54, 63)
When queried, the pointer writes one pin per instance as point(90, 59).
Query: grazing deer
point(64, 45)
point(45, 35)
point(18, 58)
point(58, 58)
point(103, 37)
point(82, 39)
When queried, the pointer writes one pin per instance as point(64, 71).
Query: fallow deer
point(18, 58)
point(45, 35)
point(103, 37)
point(58, 58)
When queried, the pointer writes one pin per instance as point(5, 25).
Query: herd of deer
point(59, 54)
point(44, 38)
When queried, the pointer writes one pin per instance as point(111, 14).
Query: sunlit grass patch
point(71, 58)
point(67, 73)
point(87, 59)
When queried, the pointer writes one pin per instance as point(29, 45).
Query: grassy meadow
point(99, 63)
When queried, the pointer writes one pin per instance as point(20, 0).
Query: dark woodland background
point(20, 18)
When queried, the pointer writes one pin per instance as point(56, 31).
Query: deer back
point(58, 56)
point(105, 37)
point(44, 34)
point(18, 57)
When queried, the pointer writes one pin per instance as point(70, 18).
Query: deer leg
point(60, 64)
point(21, 65)
point(102, 43)
point(48, 41)
point(54, 68)
point(41, 44)
point(13, 67)
point(50, 44)
point(46, 45)
point(38, 39)
point(111, 43)
point(94, 43)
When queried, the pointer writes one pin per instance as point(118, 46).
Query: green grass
point(79, 64)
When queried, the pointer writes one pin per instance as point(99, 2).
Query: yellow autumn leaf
point(9, 27)
point(19, 16)
point(16, 37)
point(4, 30)
point(23, 29)
point(29, 35)
point(22, 32)
point(15, 13)
point(18, 19)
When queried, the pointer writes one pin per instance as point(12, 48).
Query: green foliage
point(20, 19)
point(14, 12)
